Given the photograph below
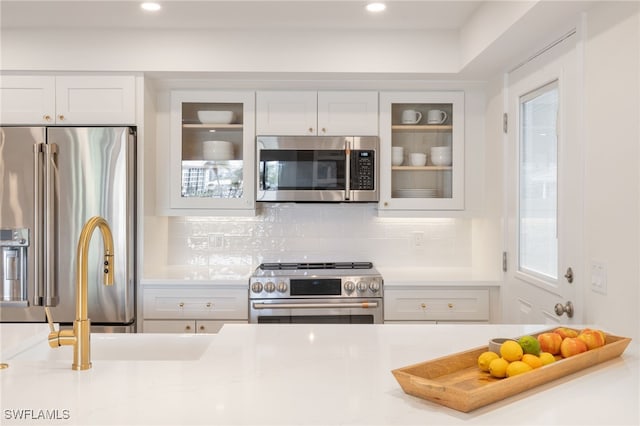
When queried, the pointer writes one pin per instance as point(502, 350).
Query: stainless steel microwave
point(317, 169)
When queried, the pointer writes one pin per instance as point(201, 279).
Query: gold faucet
point(80, 336)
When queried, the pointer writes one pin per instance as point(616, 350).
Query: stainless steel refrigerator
point(52, 180)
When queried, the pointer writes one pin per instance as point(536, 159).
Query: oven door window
point(302, 170)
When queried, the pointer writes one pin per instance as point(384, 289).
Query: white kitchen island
point(292, 375)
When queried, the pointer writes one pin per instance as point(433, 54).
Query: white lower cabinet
point(192, 310)
point(439, 305)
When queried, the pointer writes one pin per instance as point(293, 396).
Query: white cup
point(411, 116)
point(397, 155)
point(417, 159)
point(436, 116)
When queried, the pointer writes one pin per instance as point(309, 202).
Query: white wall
point(612, 158)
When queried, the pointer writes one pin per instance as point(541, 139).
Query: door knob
point(561, 309)
point(569, 275)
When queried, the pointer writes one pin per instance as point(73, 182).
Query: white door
point(544, 190)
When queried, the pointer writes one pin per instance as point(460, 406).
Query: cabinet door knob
point(423, 305)
point(324, 130)
point(181, 304)
point(188, 328)
point(450, 305)
point(209, 304)
point(47, 118)
point(61, 117)
point(201, 328)
point(310, 129)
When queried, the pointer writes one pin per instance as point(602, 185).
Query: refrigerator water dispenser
point(13, 248)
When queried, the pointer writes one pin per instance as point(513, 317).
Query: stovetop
point(317, 265)
point(319, 269)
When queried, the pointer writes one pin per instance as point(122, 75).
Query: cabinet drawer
point(185, 326)
point(438, 305)
point(195, 304)
point(170, 326)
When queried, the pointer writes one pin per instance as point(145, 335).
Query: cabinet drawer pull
point(423, 305)
point(450, 305)
point(209, 304)
point(181, 304)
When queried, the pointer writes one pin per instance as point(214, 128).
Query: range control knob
point(374, 286)
point(256, 287)
point(349, 287)
point(362, 286)
point(282, 287)
point(269, 287)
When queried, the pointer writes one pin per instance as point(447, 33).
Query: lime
point(530, 345)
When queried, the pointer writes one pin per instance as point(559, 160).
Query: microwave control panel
point(362, 170)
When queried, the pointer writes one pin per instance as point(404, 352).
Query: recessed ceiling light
point(151, 6)
point(376, 7)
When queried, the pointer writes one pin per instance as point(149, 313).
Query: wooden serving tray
point(455, 381)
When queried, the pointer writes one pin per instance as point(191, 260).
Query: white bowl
point(396, 160)
point(217, 150)
point(417, 159)
point(215, 117)
point(441, 159)
point(441, 149)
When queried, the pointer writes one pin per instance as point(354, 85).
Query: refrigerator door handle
point(38, 229)
point(51, 297)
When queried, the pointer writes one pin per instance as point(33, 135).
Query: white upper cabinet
point(422, 151)
point(68, 100)
point(212, 152)
point(325, 113)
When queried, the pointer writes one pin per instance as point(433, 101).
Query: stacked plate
point(415, 193)
point(217, 150)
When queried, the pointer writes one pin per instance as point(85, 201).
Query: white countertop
point(295, 375)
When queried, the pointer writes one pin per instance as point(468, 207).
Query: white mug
point(436, 116)
point(397, 155)
point(410, 116)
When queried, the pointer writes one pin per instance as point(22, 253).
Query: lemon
point(498, 367)
point(517, 367)
point(547, 358)
point(532, 360)
point(485, 359)
point(511, 351)
point(530, 345)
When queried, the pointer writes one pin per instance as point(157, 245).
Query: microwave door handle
point(347, 174)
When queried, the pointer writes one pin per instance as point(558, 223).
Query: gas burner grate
point(319, 265)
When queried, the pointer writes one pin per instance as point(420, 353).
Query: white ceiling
point(238, 14)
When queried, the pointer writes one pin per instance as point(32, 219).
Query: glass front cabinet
point(422, 151)
point(212, 150)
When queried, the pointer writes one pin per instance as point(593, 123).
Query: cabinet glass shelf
point(421, 127)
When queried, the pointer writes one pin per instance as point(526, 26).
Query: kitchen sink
point(126, 347)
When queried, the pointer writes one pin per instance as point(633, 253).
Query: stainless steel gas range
point(316, 293)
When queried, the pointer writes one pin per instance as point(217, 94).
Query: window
point(538, 182)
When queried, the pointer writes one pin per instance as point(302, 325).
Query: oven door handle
point(356, 305)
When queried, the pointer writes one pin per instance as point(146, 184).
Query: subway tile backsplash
point(319, 232)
